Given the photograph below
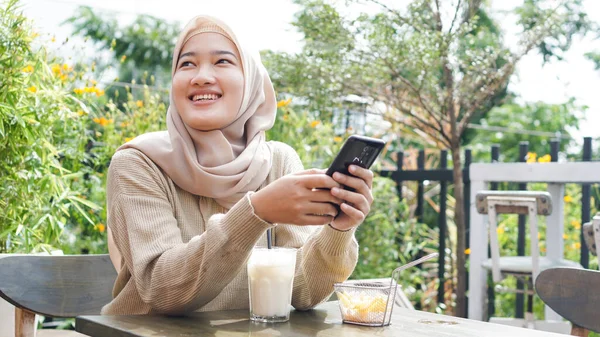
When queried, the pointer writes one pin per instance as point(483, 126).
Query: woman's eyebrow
point(214, 52)
point(223, 52)
point(189, 53)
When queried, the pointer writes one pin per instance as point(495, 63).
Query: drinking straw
point(269, 246)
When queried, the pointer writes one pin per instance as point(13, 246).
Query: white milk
point(270, 281)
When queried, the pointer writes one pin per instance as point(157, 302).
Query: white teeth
point(205, 97)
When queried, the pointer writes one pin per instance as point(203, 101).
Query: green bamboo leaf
point(83, 213)
point(85, 202)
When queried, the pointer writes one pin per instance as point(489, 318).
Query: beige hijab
point(221, 164)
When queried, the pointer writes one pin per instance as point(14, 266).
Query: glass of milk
point(270, 282)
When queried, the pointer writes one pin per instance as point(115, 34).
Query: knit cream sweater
point(182, 252)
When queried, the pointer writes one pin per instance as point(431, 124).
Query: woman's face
point(208, 83)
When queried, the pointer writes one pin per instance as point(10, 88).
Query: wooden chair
point(525, 268)
point(572, 294)
point(55, 286)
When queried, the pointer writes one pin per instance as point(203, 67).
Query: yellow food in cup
point(362, 308)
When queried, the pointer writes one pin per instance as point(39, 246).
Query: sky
point(266, 24)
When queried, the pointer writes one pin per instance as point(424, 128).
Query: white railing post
point(554, 234)
point(478, 242)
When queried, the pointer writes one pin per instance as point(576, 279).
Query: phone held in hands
point(357, 150)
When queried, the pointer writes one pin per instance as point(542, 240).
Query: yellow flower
point(53, 39)
point(99, 92)
point(139, 104)
point(576, 224)
point(78, 91)
point(500, 230)
point(93, 82)
point(576, 245)
point(286, 117)
point(568, 198)
point(468, 251)
point(100, 227)
point(102, 121)
point(284, 102)
point(337, 139)
point(565, 236)
point(314, 124)
point(531, 157)
point(32, 89)
point(128, 139)
point(123, 58)
point(81, 113)
point(65, 67)
point(545, 159)
point(125, 124)
point(543, 249)
point(28, 69)
point(34, 35)
point(63, 77)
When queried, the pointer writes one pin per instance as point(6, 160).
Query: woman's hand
point(303, 198)
point(355, 204)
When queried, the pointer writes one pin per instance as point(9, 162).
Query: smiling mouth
point(205, 97)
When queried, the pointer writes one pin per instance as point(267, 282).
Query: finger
point(355, 214)
point(358, 200)
point(356, 183)
point(321, 209)
point(315, 220)
point(310, 171)
point(363, 173)
point(318, 181)
point(324, 196)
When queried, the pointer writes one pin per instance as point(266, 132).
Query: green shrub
point(40, 130)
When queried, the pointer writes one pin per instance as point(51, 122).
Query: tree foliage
point(142, 49)
point(560, 119)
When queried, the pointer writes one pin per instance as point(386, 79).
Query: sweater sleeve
point(325, 255)
point(170, 275)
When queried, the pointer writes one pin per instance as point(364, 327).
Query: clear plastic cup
point(270, 282)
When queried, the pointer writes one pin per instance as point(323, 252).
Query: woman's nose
point(204, 75)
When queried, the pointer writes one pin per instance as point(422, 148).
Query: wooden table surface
point(324, 321)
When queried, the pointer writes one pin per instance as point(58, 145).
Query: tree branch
point(455, 16)
point(438, 16)
point(396, 14)
point(482, 96)
point(472, 7)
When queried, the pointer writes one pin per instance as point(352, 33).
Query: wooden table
point(324, 321)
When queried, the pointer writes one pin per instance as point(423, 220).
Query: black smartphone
point(358, 150)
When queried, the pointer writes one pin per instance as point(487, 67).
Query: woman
point(187, 206)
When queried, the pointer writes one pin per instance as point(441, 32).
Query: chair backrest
point(57, 286)
point(591, 234)
point(572, 294)
point(532, 203)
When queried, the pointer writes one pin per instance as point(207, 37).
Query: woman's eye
point(186, 64)
point(224, 61)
